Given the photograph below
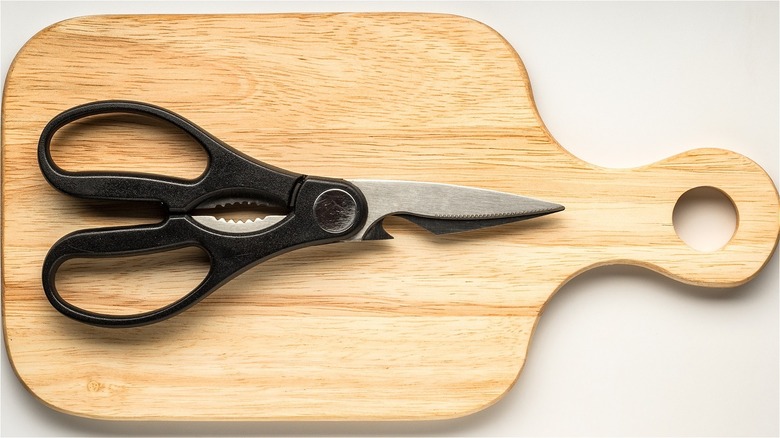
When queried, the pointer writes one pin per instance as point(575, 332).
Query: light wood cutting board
point(420, 327)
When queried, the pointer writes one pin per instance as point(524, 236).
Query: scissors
point(318, 211)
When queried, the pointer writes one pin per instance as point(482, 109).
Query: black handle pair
point(228, 171)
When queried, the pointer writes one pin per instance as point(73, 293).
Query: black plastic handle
point(229, 254)
point(228, 172)
point(172, 234)
point(228, 169)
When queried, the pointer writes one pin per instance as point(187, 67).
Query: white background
point(619, 350)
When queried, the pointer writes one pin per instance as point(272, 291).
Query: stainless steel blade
point(445, 202)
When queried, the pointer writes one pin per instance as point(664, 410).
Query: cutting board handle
point(645, 227)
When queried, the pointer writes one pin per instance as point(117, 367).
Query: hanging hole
point(705, 218)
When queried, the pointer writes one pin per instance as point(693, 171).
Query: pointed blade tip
point(532, 208)
point(554, 208)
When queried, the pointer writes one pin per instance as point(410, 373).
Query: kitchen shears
point(318, 211)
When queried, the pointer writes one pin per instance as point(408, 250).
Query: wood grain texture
point(420, 327)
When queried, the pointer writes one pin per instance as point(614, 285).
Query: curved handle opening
point(113, 142)
point(131, 284)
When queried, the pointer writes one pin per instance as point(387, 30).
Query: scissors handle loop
point(311, 201)
point(227, 169)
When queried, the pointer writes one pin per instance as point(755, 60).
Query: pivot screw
point(335, 211)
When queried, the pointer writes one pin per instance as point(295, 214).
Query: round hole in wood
point(705, 218)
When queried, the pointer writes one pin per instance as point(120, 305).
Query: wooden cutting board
point(420, 327)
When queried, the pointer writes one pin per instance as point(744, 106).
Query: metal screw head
point(335, 211)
